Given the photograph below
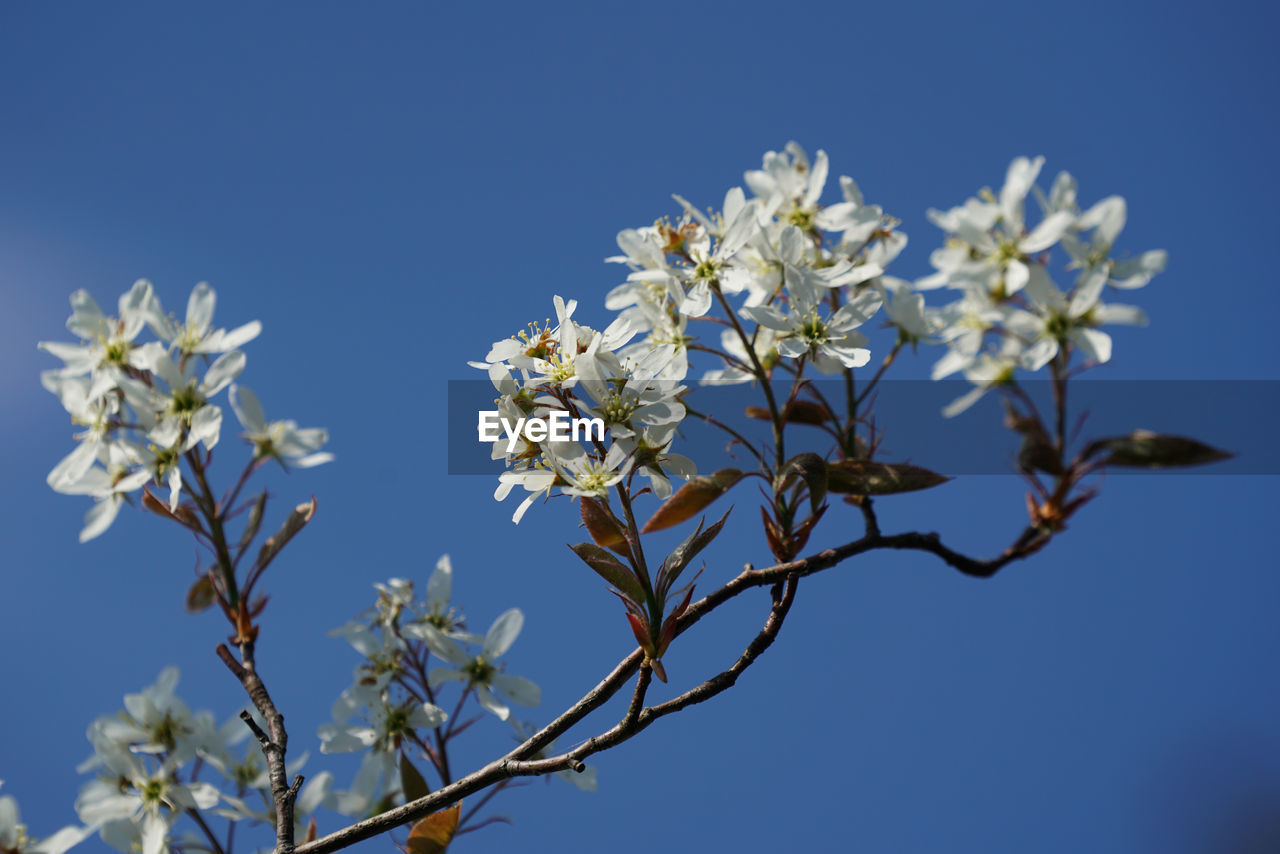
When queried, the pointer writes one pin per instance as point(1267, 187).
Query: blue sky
point(390, 188)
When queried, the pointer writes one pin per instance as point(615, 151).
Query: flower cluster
point(799, 268)
point(633, 390)
point(148, 759)
point(143, 406)
point(390, 709)
point(800, 271)
point(1011, 315)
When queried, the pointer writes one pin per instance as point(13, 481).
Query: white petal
point(490, 703)
point(1128, 315)
point(1135, 272)
point(100, 517)
point(87, 319)
point(314, 793)
point(1017, 182)
point(1108, 217)
point(767, 316)
point(73, 466)
point(1095, 343)
point(220, 374)
point(817, 180)
point(1087, 291)
point(200, 307)
point(240, 335)
point(440, 584)
point(1016, 277)
point(1038, 354)
point(247, 408)
point(503, 632)
point(154, 832)
point(64, 839)
point(206, 426)
point(850, 357)
point(960, 404)
point(518, 690)
point(1047, 233)
point(698, 301)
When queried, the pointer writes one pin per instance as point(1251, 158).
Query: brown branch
point(274, 741)
point(637, 699)
point(631, 726)
point(517, 763)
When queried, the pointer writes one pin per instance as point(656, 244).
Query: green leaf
point(610, 569)
point(1144, 449)
point(813, 469)
point(865, 477)
point(300, 516)
point(411, 781)
point(691, 498)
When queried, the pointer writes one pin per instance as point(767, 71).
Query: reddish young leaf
point(603, 527)
point(201, 595)
point(610, 569)
point(641, 630)
point(433, 834)
point(691, 498)
point(798, 412)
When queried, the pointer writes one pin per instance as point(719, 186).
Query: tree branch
point(636, 719)
point(274, 741)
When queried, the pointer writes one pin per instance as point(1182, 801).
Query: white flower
point(628, 394)
point(137, 807)
point(481, 672)
point(905, 308)
point(583, 473)
point(651, 450)
point(97, 415)
point(1106, 219)
point(1058, 319)
point(196, 335)
point(437, 612)
point(14, 838)
point(990, 244)
point(709, 266)
point(154, 721)
point(789, 186)
point(109, 484)
point(283, 441)
point(385, 722)
point(830, 340)
point(109, 349)
point(182, 416)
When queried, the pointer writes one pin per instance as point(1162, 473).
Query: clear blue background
point(390, 187)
